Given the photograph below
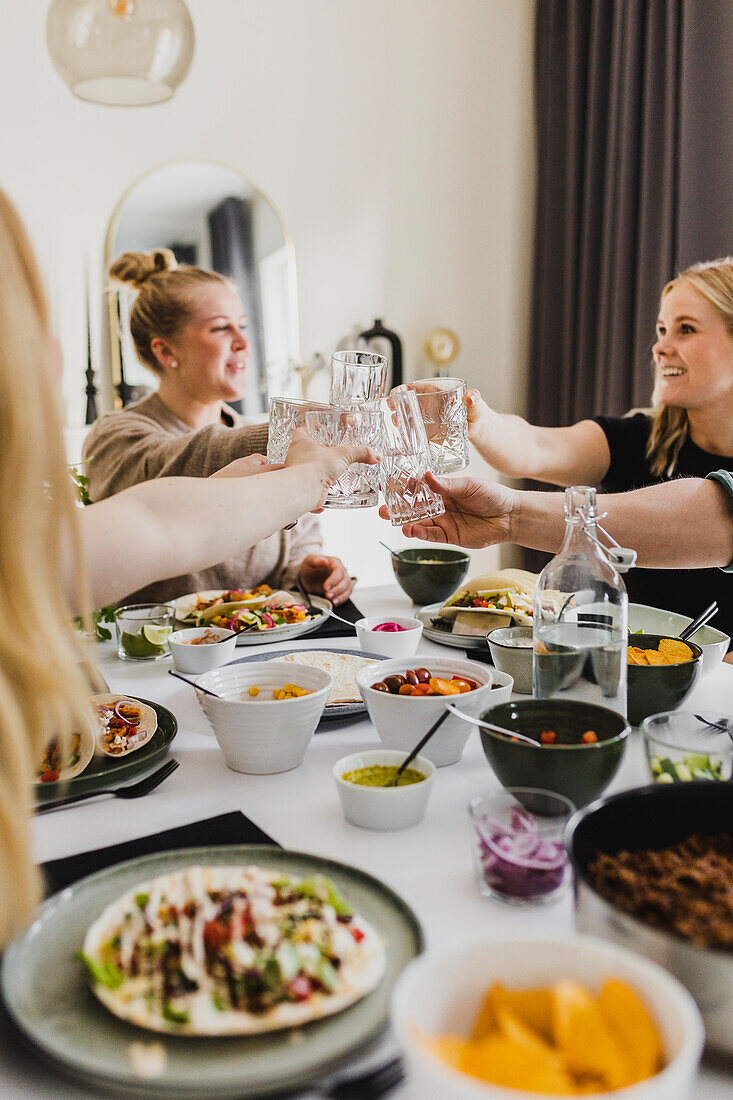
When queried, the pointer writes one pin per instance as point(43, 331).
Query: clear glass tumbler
point(405, 461)
point(143, 630)
point(362, 426)
point(442, 403)
point(518, 849)
point(286, 414)
point(356, 377)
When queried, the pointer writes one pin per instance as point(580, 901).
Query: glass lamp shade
point(123, 53)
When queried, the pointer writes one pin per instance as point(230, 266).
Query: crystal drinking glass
point(356, 377)
point(405, 460)
point(361, 426)
point(442, 403)
point(286, 414)
point(143, 630)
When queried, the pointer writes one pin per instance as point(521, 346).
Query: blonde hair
point(669, 423)
point(42, 690)
point(165, 299)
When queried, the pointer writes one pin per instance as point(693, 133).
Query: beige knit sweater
point(146, 440)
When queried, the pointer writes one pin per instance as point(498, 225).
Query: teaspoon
point(488, 725)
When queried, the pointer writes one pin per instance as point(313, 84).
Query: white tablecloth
point(429, 865)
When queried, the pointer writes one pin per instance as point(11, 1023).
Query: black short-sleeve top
point(687, 591)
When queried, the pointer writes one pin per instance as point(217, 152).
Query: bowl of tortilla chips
point(662, 672)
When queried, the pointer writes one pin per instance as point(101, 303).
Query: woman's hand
point(477, 513)
point(326, 577)
point(330, 462)
point(245, 467)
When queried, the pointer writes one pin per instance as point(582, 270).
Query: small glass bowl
point(518, 851)
point(143, 630)
point(681, 746)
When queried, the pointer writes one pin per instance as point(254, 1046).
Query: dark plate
point(104, 771)
point(337, 710)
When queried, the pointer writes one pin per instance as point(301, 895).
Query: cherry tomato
point(411, 676)
point(590, 737)
point(381, 686)
point(465, 685)
point(423, 689)
point(394, 683)
point(423, 675)
point(548, 737)
point(406, 689)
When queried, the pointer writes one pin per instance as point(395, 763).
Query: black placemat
point(483, 655)
point(231, 828)
point(332, 628)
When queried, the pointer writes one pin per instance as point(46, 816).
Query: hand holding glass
point(405, 461)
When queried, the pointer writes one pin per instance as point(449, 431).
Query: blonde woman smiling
point(130, 540)
point(188, 327)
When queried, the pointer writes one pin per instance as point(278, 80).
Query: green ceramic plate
point(105, 771)
point(46, 993)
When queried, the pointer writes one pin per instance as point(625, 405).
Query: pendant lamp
point(123, 53)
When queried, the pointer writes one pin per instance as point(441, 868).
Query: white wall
point(395, 136)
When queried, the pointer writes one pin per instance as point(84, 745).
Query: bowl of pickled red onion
point(389, 635)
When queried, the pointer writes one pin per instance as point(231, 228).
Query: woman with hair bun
point(188, 328)
point(688, 432)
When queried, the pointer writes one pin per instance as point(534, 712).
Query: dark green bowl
point(429, 575)
point(580, 772)
point(652, 689)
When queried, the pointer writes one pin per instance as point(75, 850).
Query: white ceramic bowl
point(441, 993)
point(401, 720)
point(259, 734)
point(202, 658)
point(400, 643)
point(508, 656)
point(653, 620)
point(383, 807)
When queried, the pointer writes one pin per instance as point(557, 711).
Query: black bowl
point(578, 771)
point(656, 817)
point(429, 575)
point(652, 689)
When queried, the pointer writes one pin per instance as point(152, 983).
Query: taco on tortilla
point(124, 724)
point(231, 951)
point(502, 598)
point(58, 765)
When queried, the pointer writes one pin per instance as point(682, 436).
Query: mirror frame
point(110, 293)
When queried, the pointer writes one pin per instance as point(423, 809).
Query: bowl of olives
point(404, 700)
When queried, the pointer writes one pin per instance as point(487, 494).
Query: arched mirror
point(212, 216)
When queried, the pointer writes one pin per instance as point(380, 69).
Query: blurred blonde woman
point(687, 433)
point(42, 578)
point(188, 328)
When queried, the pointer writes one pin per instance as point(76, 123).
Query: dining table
point(430, 865)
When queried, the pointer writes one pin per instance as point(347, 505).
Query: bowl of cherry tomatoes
point(404, 700)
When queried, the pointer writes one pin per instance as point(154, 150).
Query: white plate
point(444, 637)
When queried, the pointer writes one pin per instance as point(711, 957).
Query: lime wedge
point(157, 635)
point(135, 645)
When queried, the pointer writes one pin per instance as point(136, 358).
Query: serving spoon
point(193, 684)
point(489, 726)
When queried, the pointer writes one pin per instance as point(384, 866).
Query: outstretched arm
point(171, 526)
point(682, 524)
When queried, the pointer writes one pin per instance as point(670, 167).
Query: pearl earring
point(174, 363)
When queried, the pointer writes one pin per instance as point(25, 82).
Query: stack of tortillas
point(343, 667)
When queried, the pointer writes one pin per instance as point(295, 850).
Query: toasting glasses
point(356, 377)
point(405, 460)
point(286, 414)
point(360, 426)
point(442, 404)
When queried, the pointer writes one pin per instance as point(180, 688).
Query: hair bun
point(137, 267)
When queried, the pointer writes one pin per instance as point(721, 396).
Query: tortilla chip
point(675, 649)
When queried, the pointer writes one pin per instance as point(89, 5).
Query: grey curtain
point(634, 102)
point(233, 254)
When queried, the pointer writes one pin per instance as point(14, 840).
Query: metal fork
point(719, 727)
point(132, 790)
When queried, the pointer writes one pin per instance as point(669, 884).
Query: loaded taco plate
point(107, 771)
point(87, 1042)
point(274, 616)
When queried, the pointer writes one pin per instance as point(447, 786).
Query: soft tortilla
point(148, 724)
point(276, 599)
point(484, 619)
point(343, 667)
point(86, 752)
point(358, 975)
